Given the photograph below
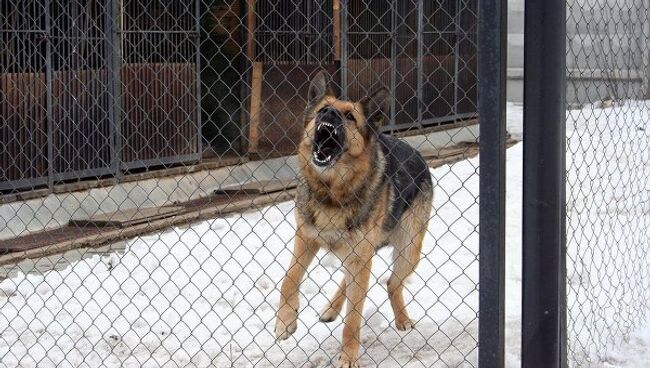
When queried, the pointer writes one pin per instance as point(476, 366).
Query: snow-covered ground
point(608, 236)
point(205, 295)
point(608, 242)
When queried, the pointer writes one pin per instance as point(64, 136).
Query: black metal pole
point(199, 111)
point(344, 49)
point(544, 249)
point(116, 86)
point(49, 98)
point(492, 43)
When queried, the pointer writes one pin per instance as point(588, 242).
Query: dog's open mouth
point(328, 144)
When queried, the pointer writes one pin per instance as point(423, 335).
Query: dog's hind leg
point(404, 262)
point(335, 304)
point(357, 271)
point(407, 243)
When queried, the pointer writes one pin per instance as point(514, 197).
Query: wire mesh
point(149, 171)
point(607, 176)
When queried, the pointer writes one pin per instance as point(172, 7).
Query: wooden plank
point(258, 187)
point(127, 217)
point(255, 107)
point(45, 238)
point(110, 235)
point(448, 160)
point(443, 152)
point(250, 30)
point(337, 29)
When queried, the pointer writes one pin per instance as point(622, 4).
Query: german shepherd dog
point(359, 190)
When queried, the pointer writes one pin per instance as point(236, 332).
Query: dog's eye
point(350, 116)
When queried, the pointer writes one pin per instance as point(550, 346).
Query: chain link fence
point(153, 186)
point(149, 161)
point(608, 204)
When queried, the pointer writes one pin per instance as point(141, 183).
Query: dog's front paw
point(286, 323)
point(328, 314)
point(404, 324)
point(345, 362)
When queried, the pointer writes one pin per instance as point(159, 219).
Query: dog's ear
point(376, 109)
point(319, 87)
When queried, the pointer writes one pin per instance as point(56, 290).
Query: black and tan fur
point(375, 191)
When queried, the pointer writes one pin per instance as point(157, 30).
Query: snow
point(205, 295)
point(608, 217)
point(514, 120)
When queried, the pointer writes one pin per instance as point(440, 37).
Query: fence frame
point(114, 48)
point(543, 332)
point(492, 66)
point(113, 45)
point(492, 36)
point(394, 35)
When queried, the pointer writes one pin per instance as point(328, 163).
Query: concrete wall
point(607, 49)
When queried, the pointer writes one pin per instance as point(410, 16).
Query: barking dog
point(359, 190)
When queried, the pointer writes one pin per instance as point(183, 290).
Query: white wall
point(605, 42)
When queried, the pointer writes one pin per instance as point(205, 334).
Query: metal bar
point(344, 49)
point(82, 37)
point(49, 98)
point(5, 30)
point(492, 62)
point(153, 31)
point(544, 248)
point(197, 39)
point(92, 173)
point(162, 161)
point(427, 123)
point(116, 63)
point(393, 62)
point(383, 33)
point(645, 42)
point(457, 31)
point(420, 52)
point(110, 55)
point(24, 184)
point(245, 66)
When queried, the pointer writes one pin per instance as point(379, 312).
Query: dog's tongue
point(322, 153)
point(326, 150)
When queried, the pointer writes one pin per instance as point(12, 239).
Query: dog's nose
point(329, 114)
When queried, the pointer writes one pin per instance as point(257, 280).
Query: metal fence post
point(457, 35)
point(344, 49)
point(645, 37)
point(492, 61)
point(394, 39)
point(197, 39)
point(420, 54)
point(110, 34)
point(544, 248)
point(49, 98)
point(116, 65)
